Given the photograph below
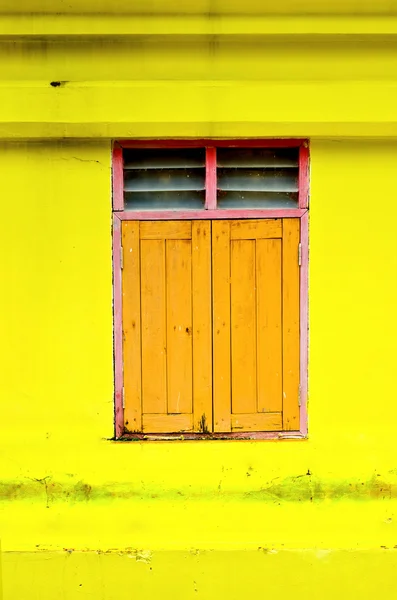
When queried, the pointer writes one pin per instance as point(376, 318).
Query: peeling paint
point(144, 556)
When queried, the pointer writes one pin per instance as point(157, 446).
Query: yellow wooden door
point(211, 351)
point(255, 325)
point(167, 346)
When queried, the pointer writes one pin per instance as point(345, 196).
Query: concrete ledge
point(197, 108)
point(90, 26)
point(257, 7)
point(260, 573)
point(181, 523)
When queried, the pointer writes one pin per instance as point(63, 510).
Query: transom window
point(265, 176)
point(185, 178)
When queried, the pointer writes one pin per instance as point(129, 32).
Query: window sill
point(199, 437)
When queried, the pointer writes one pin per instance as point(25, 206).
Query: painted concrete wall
point(83, 516)
point(248, 79)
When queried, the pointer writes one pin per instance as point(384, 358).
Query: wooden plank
point(255, 229)
point(164, 423)
point(291, 311)
point(168, 230)
point(257, 422)
point(154, 378)
point(269, 327)
point(243, 326)
point(202, 341)
point(179, 325)
point(131, 326)
point(221, 325)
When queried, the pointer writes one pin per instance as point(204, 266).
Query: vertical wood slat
point(243, 326)
point(154, 341)
point(202, 325)
point(270, 376)
point(291, 310)
point(132, 326)
point(221, 325)
point(179, 326)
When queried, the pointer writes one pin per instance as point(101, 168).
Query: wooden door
point(211, 325)
point(167, 346)
point(255, 325)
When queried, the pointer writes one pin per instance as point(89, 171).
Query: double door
point(210, 325)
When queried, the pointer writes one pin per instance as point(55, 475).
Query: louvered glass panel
point(257, 200)
point(258, 180)
point(257, 177)
point(258, 157)
point(163, 200)
point(150, 180)
point(164, 158)
point(156, 179)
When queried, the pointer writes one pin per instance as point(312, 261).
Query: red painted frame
point(118, 178)
point(210, 212)
point(210, 178)
point(214, 143)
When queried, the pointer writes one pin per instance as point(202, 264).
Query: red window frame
point(211, 212)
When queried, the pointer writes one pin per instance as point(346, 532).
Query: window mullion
point(210, 178)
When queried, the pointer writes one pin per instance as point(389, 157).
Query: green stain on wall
point(296, 488)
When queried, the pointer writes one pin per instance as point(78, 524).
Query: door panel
point(256, 325)
point(243, 328)
point(179, 320)
point(153, 326)
point(269, 325)
point(167, 272)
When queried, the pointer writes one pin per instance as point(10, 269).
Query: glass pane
point(257, 177)
point(164, 178)
point(257, 200)
point(258, 180)
point(164, 200)
point(258, 157)
point(164, 158)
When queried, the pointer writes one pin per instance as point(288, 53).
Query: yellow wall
point(236, 82)
point(207, 7)
point(84, 515)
